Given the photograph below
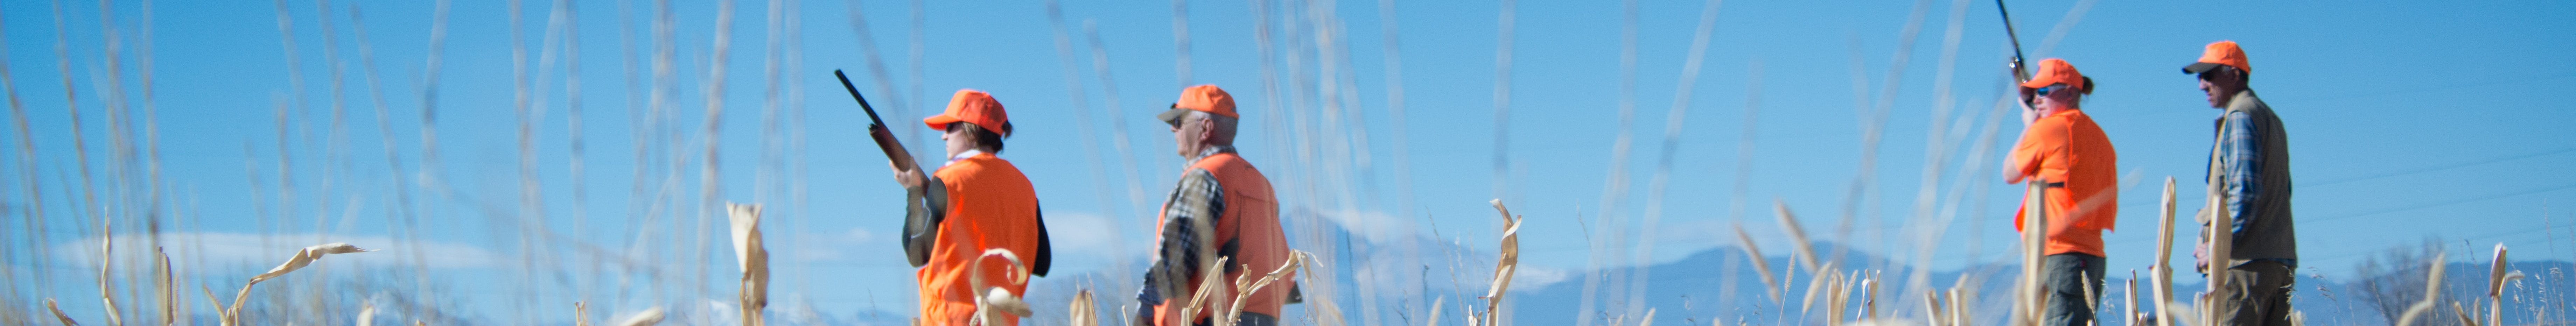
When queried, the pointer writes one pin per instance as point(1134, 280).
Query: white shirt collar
point(961, 156)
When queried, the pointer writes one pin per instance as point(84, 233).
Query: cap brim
point(2040, 83)
point(1172, 116)
point(2200, 67)
point(940, 122)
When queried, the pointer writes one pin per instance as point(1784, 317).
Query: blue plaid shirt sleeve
point(2242, 156)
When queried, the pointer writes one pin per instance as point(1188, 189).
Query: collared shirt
point(2246, 166)
point(1197, 196)
point(2240, 151)
point(952, 159)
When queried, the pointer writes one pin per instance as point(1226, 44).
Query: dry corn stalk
point(2432, 290)
point(996, 300)
point(2463, 314)
point(1869, 296)
point(1504, 266)
point(164, 287)
point(580, 313)
point(2497, 276)
point(231, 315)
point(1211, 276)
point(2221, 243)
point(1244, 289)
point(1085, 310)
point(58, 314)
point(648, 317)
point(754, 259)
point(2130, 291)
point(367, 314)
point(2160, 274)
point(106, 265)
point(2032, 301)
point(1434, 314)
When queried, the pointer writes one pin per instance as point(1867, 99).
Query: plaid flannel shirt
point(1198, 196)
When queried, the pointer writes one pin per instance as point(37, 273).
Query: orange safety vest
point(2068, 150)
point(1250, 224)
point(990, 206)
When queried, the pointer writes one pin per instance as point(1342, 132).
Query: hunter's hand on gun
point(908, 178)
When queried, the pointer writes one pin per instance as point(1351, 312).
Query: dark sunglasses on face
point(2043, 91)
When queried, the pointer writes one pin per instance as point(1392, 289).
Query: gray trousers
point(2261, 294)
point(2074, 282)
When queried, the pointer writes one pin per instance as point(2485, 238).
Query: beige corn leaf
point(231, 315)
point(648, 317)
point(580, 313)
point(1244, 290)
point(1435, 311)
point(1650, 318)
point(58, 313)
point(2432, 289)
point(754, 259)
point(367, 313)
point(1211, 277)
point(165, 287)
point(1506, 265)
point(106, 265)
point(2496, 273)
point(1085, 310)
point(995, 300)
point(2463, 314)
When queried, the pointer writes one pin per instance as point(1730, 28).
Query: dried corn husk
point(754, 259)
point(1243, 290)
point(648, 317)
point(1434, 314)
point(996, 301)
point(1085, 310)
point(1504, 266)
point(231, 315)
point(58, 313)
point(367, 314)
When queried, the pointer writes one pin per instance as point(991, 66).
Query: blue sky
point(2407, 120)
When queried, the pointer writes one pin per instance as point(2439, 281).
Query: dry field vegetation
point(128, 203)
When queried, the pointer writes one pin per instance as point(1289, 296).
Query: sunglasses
point(2043, 91)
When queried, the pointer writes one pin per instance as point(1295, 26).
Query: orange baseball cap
point(1202, 98)
point(976, 107)
point(2222, 53)
point(2056, 71)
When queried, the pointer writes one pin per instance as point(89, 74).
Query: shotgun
point(925, 206)
point(893, 148)
point(2020, 72)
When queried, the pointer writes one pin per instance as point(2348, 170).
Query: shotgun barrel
point(893, 148)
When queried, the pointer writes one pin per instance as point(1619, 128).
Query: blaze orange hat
point(2056, 71)
point(2222, 53)
point(976, 107)
point(1202, 98)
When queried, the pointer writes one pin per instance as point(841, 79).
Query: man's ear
point(1207, 128)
